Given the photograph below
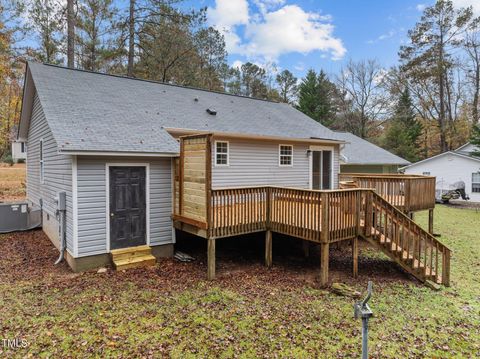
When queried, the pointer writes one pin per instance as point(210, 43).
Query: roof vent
point(195, 99)
point(211, 111)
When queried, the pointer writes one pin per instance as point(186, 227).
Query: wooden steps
point(405, 257)
point(132, 257)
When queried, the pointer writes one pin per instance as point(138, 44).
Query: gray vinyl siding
point(91, 184)
point(255, 163)
point(57, 169)
point(336, 165)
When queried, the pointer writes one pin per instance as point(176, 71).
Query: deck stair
point(405, 242)
point(133, 257)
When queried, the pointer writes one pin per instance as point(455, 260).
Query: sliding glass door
point(321, 169)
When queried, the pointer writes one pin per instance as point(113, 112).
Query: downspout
point(61, 201)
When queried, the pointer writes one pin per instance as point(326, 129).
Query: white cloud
point(382, 37)
point(475, 4)
point(227, 13)
point(278, 29)
point(420, 7)
point(237, 64)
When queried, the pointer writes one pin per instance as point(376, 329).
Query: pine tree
point(404, 130)
point(46, 22)
point(308, 95)
point(315, 97)
point(325, 92)
point(475, 139)
point(287, 84)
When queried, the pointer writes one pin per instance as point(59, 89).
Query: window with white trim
point(221, 153)
point(285, 153)
point(42, 163)
point(476, 182)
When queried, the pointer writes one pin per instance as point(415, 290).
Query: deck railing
point(415, 249)
point(326, 217)
point(320, 216)
point(408, 193)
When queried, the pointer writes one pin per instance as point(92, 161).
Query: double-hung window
point(285, 153)
point(42, 163)
point(476, 182)
point(221, 153)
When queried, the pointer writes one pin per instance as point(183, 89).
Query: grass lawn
point(12, 182)
point(249, 311)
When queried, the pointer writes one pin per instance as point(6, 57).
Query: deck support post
point(268, 248)
point(211, 259)
point(324, 256)
point(306, 248)
point(355, 256)
point(430, 221)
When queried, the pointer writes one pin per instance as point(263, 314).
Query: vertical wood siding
point(255, 163)
point(57, 169)
point(92, 235)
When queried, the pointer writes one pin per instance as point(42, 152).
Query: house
point(18, 148)
point(119, 164)
point(105, 140)
point(19, 151)
point(361, 156)
point(451, 167)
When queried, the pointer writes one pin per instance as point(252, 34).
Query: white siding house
point(19, 150)
point(110, 143)
point(451, 167)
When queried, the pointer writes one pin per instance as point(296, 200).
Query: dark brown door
point(322, 170)
point(127, 207)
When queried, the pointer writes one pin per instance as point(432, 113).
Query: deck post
point(268, 248)
point(446, 268)
point(211, 259)
point(324, 256)
point(306, 248)
point(430, 221)
point(355, 256)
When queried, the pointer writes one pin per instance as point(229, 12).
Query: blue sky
point(322, 34)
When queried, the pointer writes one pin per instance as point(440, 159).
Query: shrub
point(8, 159)
point(21, 160)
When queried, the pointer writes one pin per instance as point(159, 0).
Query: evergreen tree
point(287, 84)
point(326, 91)
point(315, 97)
point(97, 29)
point(404, 130)
point(46, 23)
point(475, 139)
point(307, 95)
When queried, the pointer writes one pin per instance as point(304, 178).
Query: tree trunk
point(70, 34)
point(131, 38)
point(441, 80)
point(476, 94)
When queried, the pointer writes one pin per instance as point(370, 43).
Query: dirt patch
point(463, 205)
point(30, 256)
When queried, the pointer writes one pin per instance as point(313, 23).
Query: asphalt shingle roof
point(95, 112)
point(361, 152)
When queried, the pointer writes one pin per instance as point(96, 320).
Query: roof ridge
point(154, 82)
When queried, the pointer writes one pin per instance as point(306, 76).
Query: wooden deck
point(376, 213)
point(409, 193)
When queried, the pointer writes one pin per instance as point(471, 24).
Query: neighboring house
point(450, 167)
point(19, 150)
point(361, 156)
point(110, 142)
